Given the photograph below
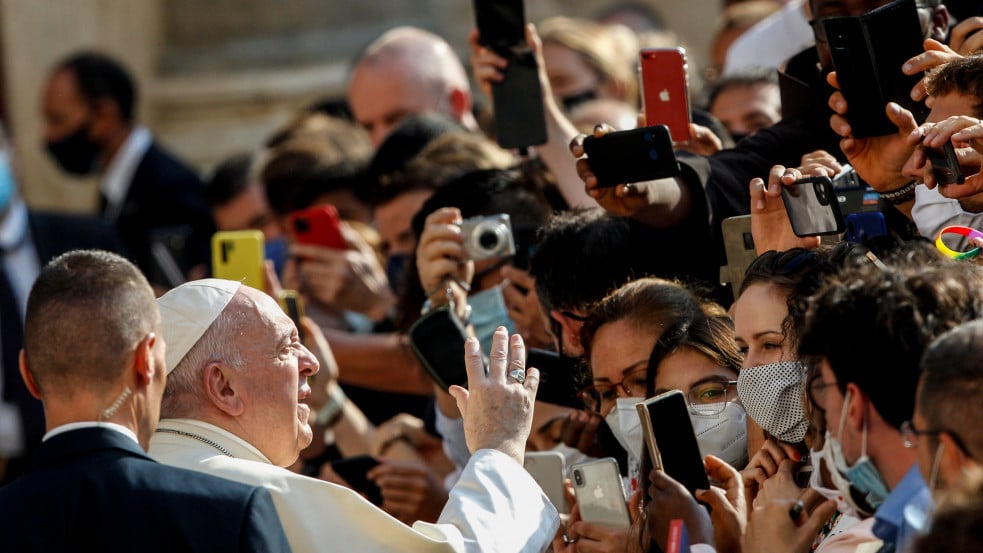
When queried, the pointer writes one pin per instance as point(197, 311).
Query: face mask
point(76, 153)
point(863, 475)
point(571, 455)
point(488, 312)
point(396, 270)
point(627, 429)
point(722, 435)
point(816, 483)
point(738, 137)
point(277, 251)
point(772, 395)
point(574, 100)
point(6, 182)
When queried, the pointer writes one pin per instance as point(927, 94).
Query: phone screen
point(665, 419)
point(813, 207)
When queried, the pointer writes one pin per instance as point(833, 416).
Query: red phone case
point(665, 90)
point(319, 225)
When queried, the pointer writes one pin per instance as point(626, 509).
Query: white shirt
point(91, 424)
point(119, 174)
point(772, 41)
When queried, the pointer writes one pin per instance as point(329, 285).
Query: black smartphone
point(520, 118)
point(353, 470)
point(437, 339)
point(634, 155)
point(868, 51)
point(945, 164)
point(812, 207)
point(293, 305)
point(557, 377)
point(665, 420)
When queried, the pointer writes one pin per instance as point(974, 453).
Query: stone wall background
point(216, 76)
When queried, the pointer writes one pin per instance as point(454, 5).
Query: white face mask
point(772, 395)
point(722, 435)
point(816, 483)
point(571, 455)
point(626, 426)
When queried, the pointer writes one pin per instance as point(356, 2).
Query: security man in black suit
point(155, 200)
point(94, 354)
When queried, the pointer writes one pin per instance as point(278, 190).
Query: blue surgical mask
point(863, 475)
point(488, 312)
point(277, 251)
point(6, 182)
point(396, 269)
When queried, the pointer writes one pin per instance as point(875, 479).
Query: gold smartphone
point(238, 255)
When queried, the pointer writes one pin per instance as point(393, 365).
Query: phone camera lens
point(301, 225)
point(578, 478)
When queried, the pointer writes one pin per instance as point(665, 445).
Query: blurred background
point(216, 76)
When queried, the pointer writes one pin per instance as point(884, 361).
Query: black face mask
point(570, 102)
point(76, 153)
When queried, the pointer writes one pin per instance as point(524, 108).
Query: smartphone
point(634, 155)
point(520, 118)
point(868, 51)
point(319, 225)
point(238, 255)
point(547, 469)
point(600, 493)
point(665, 420)
point(293, 305)
point(862, 226)
point(353, 470)
point(665, 90)
point(740, 250)
point(557, 377)
point(945, 164)
point(813, 207)
point(437, 339)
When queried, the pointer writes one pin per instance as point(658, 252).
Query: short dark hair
point(99, 77)
point(229, 179)
point(952, 383)
point(872, 322)
point(86, 312)
point(962, 76)
point(744, 79)
point(298, 172)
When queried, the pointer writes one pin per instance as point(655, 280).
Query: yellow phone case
point(238, 255)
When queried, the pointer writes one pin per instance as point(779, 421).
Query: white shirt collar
point(119, 174)
point(91, 424)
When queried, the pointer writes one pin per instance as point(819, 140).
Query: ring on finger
point(519, 375)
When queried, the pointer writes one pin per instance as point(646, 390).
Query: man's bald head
point(405, 71)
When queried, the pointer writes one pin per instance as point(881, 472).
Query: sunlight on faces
point(274, 381)
point(758, 317)
point(394, 222)
point(569, 74)
point(382, 95)
point(687, 368)
point(620, 348)
point(63, 107)
point(744, 110)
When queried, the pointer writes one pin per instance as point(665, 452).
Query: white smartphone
point(600, 492)
point(547, 469)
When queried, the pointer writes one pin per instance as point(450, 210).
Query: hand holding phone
point(813, 207)
point(238, 255)
point(945, 165)
point(319, 225)
point(635, 155)
point(600, 493)
point(547, 469)
point(665, 90)
point(665, 420)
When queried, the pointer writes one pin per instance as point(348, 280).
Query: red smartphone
point(319, 225)
point(665, 90)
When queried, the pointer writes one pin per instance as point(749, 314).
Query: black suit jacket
point(94, 489)
point(165, 204)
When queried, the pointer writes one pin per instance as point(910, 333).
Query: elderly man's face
point(273, 382)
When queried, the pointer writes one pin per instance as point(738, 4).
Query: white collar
point(119, 174)
point(91, 424)
point(240, 448)
point(13, 227)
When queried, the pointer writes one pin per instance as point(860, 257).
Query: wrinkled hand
point(623, 200)
point(935, 54)
point(351, 279)
point(496, 408)
point(580, 432)
point(764, 464)
point(523, 305)
point(771, 530)
point(728, 506)
point(668, 499)
point(440, 256)
point(966, 38)
point(770, 225)
point(410, 491)
point(879, 160)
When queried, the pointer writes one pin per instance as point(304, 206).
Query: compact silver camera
point(486, 237)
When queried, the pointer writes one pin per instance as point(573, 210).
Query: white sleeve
point(701, 548)
point(932, 211)
point(496, 506)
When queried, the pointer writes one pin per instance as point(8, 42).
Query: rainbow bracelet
point(961, 231)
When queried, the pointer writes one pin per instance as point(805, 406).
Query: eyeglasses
point(910, 434)
point(816, 389)
point(707, 398)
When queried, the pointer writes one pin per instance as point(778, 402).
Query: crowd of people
point(490, 305)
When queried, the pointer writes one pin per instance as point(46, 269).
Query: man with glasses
point(866, 330)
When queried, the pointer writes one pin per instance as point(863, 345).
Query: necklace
point(201, 439)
